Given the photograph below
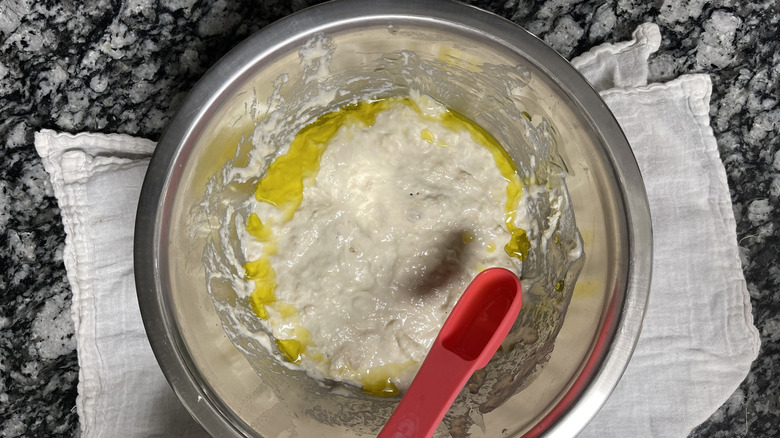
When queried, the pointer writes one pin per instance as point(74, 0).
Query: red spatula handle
point(436, 385)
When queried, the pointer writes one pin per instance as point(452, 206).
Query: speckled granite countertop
point(124, 66)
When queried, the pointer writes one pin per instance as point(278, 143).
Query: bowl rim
point(618, 335)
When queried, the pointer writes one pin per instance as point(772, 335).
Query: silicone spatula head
point(470, 336)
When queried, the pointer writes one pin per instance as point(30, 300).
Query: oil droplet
point(291, 349)
point(491, 246)
point(264, 276)
point(258, 308)
point(381, 389)
point(467, 236)
point(519, 245)
point(262, 296)
point(260, 268)
point(379, 380)
point(257, 229)
point(427, 135)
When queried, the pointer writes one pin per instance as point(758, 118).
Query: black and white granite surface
point(123, 66)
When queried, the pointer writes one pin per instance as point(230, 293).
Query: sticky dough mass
point(401, 210)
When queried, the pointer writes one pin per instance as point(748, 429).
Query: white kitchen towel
point(698, 340)
point(121, 390)
point(696, 347)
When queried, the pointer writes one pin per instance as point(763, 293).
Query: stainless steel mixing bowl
point(480, 65)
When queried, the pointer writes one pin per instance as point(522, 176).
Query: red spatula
point(472, 333)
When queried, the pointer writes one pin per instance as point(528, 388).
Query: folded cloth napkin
point(698, 339)
point(696, 347)
point(121, 390)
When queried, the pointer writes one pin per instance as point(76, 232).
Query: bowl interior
point(500, 79)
